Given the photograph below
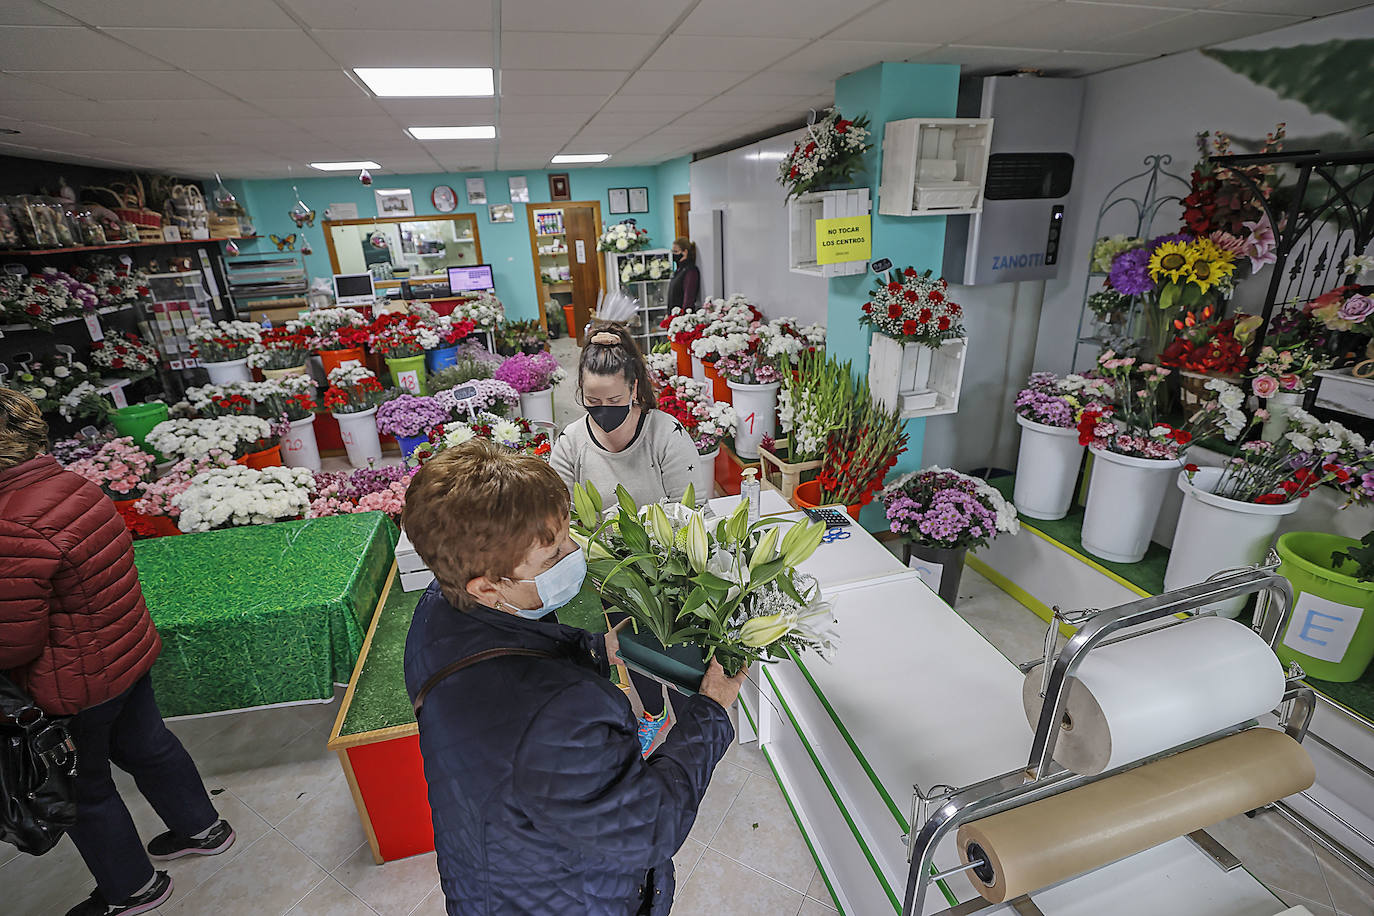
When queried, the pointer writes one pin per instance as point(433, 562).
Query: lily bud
point(698, 545)
point(659, 526)
point(764, 552)
point(758, 632)
point(801, 541)
point(592, 549)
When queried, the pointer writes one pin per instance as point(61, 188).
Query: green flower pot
point(1332, 631)
point(408, 373)
point(137, 420)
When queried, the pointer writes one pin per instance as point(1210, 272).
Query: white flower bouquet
point(623, 237)
point(237, 435)
point(485, 312)
point(224, 341)
point(831, 154)
point(237, 495)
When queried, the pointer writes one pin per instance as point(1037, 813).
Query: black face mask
point(609, 418)
point(680, 256)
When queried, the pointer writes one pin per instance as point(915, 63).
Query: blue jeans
point(128, 731)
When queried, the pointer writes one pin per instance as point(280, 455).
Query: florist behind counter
point(541, 798)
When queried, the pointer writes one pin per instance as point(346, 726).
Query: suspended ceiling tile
point(556, 51)
point(23, 87)
point(53, 110)
point(668, 104)
point(139, 132)
point(218, 109)
point(561, 82)
point(930, 21)
point(1068, 26)
point(737, 100)
point(644, 17)
point(1302, 8)
point(835, 58)
point(427, 48)
point(1080, 63)
point(1194, 30)
point(472, 15)
point(769, 18)
point(128, 84)
point(178, 13)
point(359, 125)
point(641, 122)
point(31, 12)
point(977, 60)
point(694, 52)
point(62, 48)
point(430, 112)
point(285, 84)
point(39, 133)
point(548, 104)
point(228, 49)
point(773, 82)
point(319, 108)
point(700, 83)
point(554, 119)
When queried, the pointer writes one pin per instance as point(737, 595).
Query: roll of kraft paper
point(1057, 838)
point(1154, 692)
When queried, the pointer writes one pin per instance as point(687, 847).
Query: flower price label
point(848, 238)
point(93, 327)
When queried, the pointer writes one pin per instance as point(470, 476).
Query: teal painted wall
point(505, 246)
point(889, 92)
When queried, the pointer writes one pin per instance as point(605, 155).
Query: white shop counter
point(914, 695)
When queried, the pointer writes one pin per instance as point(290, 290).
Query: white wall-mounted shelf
point(918, 380)
point(934, 166)
point(802, 213)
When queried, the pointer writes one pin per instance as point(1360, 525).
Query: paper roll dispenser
point(1128, 707)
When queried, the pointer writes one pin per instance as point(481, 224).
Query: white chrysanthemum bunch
point(238, 495)
point(485, 312)
point(84, 399)
point(662, 367)
point(223, 341)
point(623, 237)
point(197, 438)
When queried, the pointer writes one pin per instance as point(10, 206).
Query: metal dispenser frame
point(943, 809)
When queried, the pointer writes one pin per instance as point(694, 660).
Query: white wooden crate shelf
point(802, 213)
point(934, 166)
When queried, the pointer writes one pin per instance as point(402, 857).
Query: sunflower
point(1205, 247)
point(1209, 268)
point(1170, 261)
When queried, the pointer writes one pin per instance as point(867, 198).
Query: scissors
point(834, 534)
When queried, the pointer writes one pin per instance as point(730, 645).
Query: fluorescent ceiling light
point(426, 82)
point(480, 132)
point(587, 157)
point(345, 166)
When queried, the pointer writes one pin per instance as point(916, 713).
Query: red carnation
point(1271, 499)
point(909, 327)
point(894, 311)
point(1191, 468)
point(925, 316)
point(1182, 437)
point(1087, 424)
point(909, 272)
point(910, 295)
point(1342, 475)
point(894, 287)
point(935, 296)
point(954, 308)
point(117, 363)
point(842, 126)
point(943, 323)
point(868, 308)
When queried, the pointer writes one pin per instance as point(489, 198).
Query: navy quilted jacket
point(542, 803)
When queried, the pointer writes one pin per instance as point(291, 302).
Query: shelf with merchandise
point(23, 252)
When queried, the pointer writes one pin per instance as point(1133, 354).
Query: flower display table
point(262, 615)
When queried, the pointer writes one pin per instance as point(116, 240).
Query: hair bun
point(606, 338)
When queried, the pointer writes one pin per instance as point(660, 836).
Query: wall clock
point(444, 198)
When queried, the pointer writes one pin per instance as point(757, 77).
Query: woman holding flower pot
point(624, 439)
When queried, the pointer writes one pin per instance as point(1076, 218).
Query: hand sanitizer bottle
point(749, 490)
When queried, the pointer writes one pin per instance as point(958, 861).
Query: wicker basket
point(785, 475)
point(134, 208)
point(1193, 393)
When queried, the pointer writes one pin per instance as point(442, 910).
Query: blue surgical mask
point(556, 585)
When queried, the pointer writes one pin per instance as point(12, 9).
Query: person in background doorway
point(75, 634)
point(542, 800)
point(624, 439)
point(684, 290)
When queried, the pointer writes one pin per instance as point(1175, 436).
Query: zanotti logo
point(1014, 261)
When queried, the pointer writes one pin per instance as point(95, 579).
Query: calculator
point(831, 518)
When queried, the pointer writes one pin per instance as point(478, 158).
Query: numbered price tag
point(117, 393)
point(94, 328)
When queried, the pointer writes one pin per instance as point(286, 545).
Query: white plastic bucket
point(537, 406)
point(1046, 469)
point(235, 370)
point(704, 475)
point(359, 434)
point(299, 448)
point(756, 412)
point(1124, 498)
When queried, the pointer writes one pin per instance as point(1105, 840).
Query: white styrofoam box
point(898, 370)
point(1344, 392)
point(416, 581)
point(917, 179)
point(802, 213)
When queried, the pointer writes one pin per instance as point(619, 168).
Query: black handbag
point(37, 770)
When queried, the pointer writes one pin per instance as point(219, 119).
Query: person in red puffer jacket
point(76, 635)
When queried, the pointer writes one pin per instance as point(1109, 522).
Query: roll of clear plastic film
point(1048, 841)
point(1132, 699)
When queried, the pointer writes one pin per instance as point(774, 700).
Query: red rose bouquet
point(913, 308)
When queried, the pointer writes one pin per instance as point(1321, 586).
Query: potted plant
point(441, 338)
point(222, 348)
point(753, 368)
point(1136, 454)
point(557, 323)
point(940, 515)
point(683, 327)
point(707, 422)
point(484, 311)
point(1230, 514)
point(1285, 369)
point(338, 335)
point(533, 377)
point(1047, 410)
point(396, 341)
point(729, 590)
point(60, 384)
point(409, 419)
point(280, 352)
point(730, 323)
point(238, 435)
point(353, 397)
point(1331, 633)
point(814, 399)
point(831, 155)
point(236, 495)
point(623, 237)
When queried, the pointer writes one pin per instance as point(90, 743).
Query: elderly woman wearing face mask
point(624, 439)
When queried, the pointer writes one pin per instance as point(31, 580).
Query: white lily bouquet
point(731, 588)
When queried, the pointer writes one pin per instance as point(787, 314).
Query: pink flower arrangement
point(364, 490)
point(526, 373)
point(157, 496)
point(120, 468)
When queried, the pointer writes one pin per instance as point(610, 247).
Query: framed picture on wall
point(501, 213)
point(394, 202)
point(559, 186)
point(639, 200)
point(519, 189)
point(619, 199)
point(477, 191)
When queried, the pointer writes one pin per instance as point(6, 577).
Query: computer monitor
point(474, 279)
point(353, 289)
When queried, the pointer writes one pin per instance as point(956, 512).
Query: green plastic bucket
point(1331, 633)
point(137, 420)
point(408, 374)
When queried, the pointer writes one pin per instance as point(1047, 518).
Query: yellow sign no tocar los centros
point(848, 238)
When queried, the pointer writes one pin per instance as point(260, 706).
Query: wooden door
point(580, 223)
point(682, 205)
